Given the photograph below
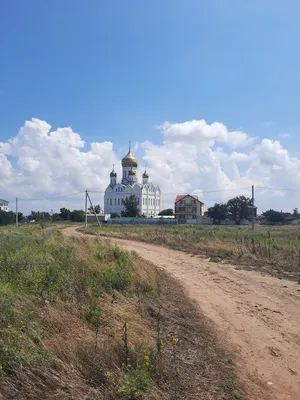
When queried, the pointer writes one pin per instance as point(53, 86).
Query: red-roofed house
point(188, 207)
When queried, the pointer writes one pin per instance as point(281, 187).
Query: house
point(3, 205)
point(188, 207)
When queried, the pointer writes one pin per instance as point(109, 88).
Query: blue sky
point(115, 70)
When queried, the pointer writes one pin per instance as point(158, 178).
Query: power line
point(51, 198)
point(280, 189)
point(175, 193)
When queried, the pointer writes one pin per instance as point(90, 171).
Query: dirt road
point(258, 315)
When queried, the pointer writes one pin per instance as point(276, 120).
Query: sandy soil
point(257, 315)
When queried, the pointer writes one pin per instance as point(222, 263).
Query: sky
point(206, 91)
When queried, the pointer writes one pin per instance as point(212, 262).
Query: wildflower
point(173, 340)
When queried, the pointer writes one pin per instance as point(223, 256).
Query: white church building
point(147, 194)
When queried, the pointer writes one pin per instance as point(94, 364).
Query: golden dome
point(131, 172)
point(145, 175)
point(129, 160)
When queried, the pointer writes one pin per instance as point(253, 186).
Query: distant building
point(147, 194)
point(3, 205)
point(188, 208)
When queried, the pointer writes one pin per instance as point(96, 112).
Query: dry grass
point(272, 250)
point(52, 342)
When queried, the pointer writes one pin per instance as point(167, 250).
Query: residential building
point(147, 194)
point(3, 205)
point(188, 207)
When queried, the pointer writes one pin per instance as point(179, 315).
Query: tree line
point(237, 209)
point(240, 208)
point(64, 214)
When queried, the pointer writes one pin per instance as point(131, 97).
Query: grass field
point(274, 250)
point(80, 318)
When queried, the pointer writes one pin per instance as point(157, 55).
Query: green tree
point(77, 216)
point(273, 216)
point(168, 211)
point(97, 209)
point(239, 208)
point(217, 212)
point(114, 215)
point(296, 213)
point(131, 207)
point(9, 217)
point(65, 213)
point(56, 217)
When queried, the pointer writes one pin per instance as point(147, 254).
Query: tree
point(39, 216)
point(9, 217)
point(273, 216)
point(239, 208)
point(77, 216)
point(97, 209)
point(131, 207)
point(217, 212)
point(114, 215)
point(56, 217)
point(65, 213)
point(168, 211)
point(296, 213)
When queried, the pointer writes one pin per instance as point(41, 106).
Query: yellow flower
point(173, 340)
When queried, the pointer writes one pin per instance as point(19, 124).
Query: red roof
point(179, 197)
point(182, 196)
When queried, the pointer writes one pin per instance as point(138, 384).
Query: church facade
point(147, 194)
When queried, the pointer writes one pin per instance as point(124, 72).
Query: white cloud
point(198, 131)
point(195, 157)
point(48, 163)
point(285, 135)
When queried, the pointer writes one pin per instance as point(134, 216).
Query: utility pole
point(93, 209)
point(252, 208)
point(17, 215)
point(86, 199)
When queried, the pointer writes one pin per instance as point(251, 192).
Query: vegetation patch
point(273, 250)
point(80, 318)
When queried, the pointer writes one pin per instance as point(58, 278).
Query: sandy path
point(259, 315)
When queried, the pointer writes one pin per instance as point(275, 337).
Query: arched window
point(118, 202)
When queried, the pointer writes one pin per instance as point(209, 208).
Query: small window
point(194, 217)
point(115, 202)
point(111, 202)
point(118, 202)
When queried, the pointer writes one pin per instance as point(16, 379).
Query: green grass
point(64, 303)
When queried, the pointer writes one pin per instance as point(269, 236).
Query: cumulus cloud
point(195, 157)
point(199, 132)
point(47, 163)
point(191, 160)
